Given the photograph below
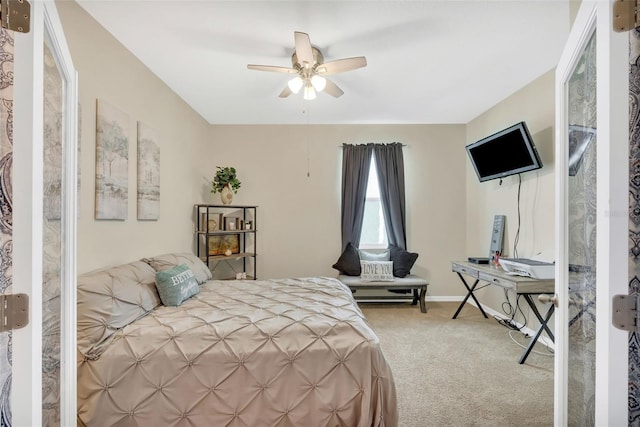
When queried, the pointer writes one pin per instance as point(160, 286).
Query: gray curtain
point(356, 160)
point(390, 165)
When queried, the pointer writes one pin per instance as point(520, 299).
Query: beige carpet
point(461, 372)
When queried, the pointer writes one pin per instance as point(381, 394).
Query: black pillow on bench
point(402, 260)
point(349, 262)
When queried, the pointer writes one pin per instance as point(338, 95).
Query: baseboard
point(543, 339)
point(443, 299)
point(409, 297)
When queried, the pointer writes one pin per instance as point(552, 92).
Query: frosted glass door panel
point(582, 138)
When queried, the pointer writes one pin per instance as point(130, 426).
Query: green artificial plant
point(225, 175)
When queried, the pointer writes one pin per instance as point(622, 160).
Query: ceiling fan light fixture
point(309, 69)
point(318, 83)
point(295, 84)
point(309, 92)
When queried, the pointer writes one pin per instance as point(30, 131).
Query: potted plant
point(226, 182)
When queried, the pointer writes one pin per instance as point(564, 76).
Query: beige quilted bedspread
point(291, 352)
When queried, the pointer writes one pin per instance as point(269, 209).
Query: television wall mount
point(15, 15)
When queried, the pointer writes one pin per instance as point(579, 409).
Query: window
point(374, 232)
point(363, 202)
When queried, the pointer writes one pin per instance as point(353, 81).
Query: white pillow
point(376, 271)
point(370, 256)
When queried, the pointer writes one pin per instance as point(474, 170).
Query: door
point(44, 112)
point(591, 220)
point(634, 220)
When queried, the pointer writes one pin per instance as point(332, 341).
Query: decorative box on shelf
point(226, 239)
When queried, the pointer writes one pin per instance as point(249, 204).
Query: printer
point(528, 268)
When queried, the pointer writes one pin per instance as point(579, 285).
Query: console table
point(524, 286)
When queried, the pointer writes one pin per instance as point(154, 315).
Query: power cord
point(549, 352)
point(510, 323)
point(507, 323)
point(517, 236)
point(511, 312)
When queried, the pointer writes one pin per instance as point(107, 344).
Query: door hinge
point(624, 313)
point(625, 15)
point(14, 311)
point(15, 15)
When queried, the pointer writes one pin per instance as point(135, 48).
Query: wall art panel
point(112, 162)
point(148, 173)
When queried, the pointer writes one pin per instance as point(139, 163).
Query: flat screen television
point(508, 152)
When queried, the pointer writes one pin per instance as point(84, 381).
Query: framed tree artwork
point(112, 162)
point(148, 173)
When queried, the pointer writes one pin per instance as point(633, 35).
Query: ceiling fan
point(308, 63)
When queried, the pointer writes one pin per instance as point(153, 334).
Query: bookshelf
point(226, 239)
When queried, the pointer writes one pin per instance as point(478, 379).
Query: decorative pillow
point(167, 261)
point(402, 260)
point(176, 285)
point(370, 256)
point(376, 271)
point(109, 299)
point(349, 261)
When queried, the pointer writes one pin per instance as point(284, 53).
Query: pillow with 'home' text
point(176, 285)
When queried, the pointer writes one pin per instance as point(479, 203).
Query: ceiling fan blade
point(332, 89)
point(342, 65)
point(303, 48)
point(285, 92)
point(273, 68)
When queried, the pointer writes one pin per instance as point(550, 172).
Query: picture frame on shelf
point(213, 223)
point(231, 223)
point(219, 244)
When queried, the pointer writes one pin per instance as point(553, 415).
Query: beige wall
point(574, 6)
point(107, 71)
point(299, 215)
point(533, 104)
point(449, 213)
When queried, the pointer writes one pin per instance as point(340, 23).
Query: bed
point(289, 352)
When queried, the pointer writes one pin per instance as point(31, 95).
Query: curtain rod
point(341, 146)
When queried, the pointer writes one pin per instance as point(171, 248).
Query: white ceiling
point(428, 61)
